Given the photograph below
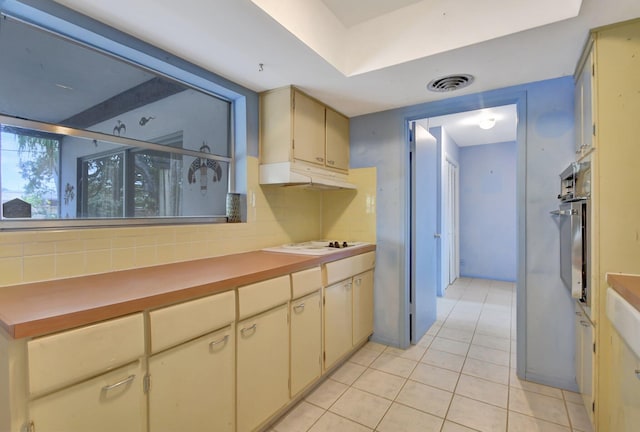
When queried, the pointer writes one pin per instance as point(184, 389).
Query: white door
point(451, 262)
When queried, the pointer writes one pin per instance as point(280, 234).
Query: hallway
point(459, 378)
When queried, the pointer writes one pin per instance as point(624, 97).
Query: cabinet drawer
point(175, 324)
point(345, 268)
point(63, 358)
point(258, 297)
point(110, 402)
point(305, 282)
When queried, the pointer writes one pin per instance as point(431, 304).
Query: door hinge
point(31, 427)
point(146, 383)
point(594, 347)
point(289, 384)
point(324, 356)
point(593, 406)
point(594, 129)
point(324, 300)
point(593, 69)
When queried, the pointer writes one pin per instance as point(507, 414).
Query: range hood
point(299, 174)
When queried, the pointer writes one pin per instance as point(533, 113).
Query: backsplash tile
point(275, 215)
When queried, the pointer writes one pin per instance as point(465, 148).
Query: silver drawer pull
point(584, 324)
point(637, 371)
point(330, 162)
point(319, 159)
point(127, 380)
point(219, 341)
point(358, 281)
point(299, 307)
point(246, 329)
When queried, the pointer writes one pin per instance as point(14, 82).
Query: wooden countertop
point(36, 309)
point(628, 286)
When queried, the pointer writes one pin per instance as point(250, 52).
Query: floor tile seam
point(536, 392)
point(544, 419)
point(485, 346)
point(566, 410)
point(355, 421)
point(442, 367)
point(484, 401)
point(483, 378)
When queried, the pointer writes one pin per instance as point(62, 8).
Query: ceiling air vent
point(450, 83)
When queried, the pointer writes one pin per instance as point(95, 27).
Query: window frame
point(81, 29)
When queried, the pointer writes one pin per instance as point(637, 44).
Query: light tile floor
point(460, 377)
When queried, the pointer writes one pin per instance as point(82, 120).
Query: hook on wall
point(260, 67)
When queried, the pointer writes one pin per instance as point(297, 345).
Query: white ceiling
point(352, 12)
point(464, 127)
point(232, 37)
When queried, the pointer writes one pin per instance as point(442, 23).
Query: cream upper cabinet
point(308, 129)
point(306, 341)
point(337, 140)
point(192, 385)
point(584, 118)
point(362, 306)
point(294, 127)
point(114, 401)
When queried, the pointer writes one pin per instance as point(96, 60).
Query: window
point(87, 138)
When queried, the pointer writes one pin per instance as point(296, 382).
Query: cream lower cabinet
point(192, 385)
point(306, 341)
point(584, 358)
point(338, 321)
point(262, 367)
point(114, 401)
point(362, 306)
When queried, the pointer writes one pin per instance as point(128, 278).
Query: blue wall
point(545, 147)
point(488, 211)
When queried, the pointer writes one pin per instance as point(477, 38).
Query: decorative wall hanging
point(201, 166)
point(69, 193)
point(119, 128)
point(144, 120)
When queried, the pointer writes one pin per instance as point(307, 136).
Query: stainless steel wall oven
point(574, 216)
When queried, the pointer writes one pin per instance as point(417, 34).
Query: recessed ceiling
point(464, 127)
point(419, 29)
point(352, 12)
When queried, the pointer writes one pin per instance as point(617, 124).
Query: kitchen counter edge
point(627, 285)
point(39, 308)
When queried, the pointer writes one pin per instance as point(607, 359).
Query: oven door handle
point(570, 212)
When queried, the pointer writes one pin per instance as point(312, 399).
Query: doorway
point(445, 235)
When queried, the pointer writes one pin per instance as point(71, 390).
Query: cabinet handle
point(579, 313)
point(637, 371)
point(219, 341)
point(319, 159)
point(246, 329)
point(330, 162)
point(299, 307)
point(584, 324)
point(119, 383)
point(358, 281)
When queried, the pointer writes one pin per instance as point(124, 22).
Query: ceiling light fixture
point(487, 123)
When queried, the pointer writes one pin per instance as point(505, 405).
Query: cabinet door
point(306, 341)
point(192, 385)
point(362, 306)
point(587, 366)
point(337, 136)
point(338, 323)
point(308, 129)
point(584, 107)
point(113, 401)
point(262, 367)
